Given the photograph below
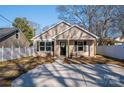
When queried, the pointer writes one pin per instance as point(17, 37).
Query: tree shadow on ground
point(66, 75)
point(106, 77)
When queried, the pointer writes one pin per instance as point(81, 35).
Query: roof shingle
point(4, 32)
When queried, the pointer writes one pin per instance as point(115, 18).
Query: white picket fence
point(14, 53)
point(116, 51)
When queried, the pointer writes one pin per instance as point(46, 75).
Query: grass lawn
point(94, 60)
point(9, 70)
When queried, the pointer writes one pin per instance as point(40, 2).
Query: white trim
point(62, 21)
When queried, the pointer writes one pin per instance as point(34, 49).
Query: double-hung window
point(81, 46)
point(48, 46)
point(42, 46)
point(45, 46)
point(17, 35)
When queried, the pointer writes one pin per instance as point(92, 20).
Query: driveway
point(72, 75)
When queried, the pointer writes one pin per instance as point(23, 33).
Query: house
point(119, 41)
point(65, 39)
point(12, 37)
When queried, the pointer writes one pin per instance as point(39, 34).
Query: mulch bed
point(94, 60)
point(12, 69)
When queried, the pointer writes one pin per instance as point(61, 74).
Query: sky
point(43, 15)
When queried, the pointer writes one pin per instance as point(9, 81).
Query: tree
point(118, 23)
point(23, 25)
point(35, 26)
point(81, 15)
point(45, 28)
point(106, 41)
point(97, 19)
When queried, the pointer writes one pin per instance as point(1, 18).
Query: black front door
point(63, 48)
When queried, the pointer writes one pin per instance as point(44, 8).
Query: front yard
point(10, 70)
point(94, 60)
point(58, 74)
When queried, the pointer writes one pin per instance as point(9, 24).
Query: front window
point(81, 46)
point(45, 46)
point(17, 35)
point(42, 46)
point(48, 46)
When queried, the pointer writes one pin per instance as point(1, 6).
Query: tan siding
point(54, 31)
point(57, 51)
point(72, 49)
point(12, 41)
point(91, 43)
point(81, 53)
point(75, 33)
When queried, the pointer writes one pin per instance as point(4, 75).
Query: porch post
point(95, 48)
point(89, 51)
point(68, 48)
point(38, 46)
point(54, 54)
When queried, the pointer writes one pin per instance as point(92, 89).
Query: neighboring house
point(119, 41)
point(12, 37)
point(67, 40)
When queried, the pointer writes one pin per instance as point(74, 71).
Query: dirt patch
point(10, 70)
point(94, 60)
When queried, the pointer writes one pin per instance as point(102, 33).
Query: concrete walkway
point(72, 75)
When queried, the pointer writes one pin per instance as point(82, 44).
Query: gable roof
point(93, 35)
point(52, 26)
point(7, 32)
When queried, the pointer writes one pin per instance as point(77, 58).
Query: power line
point(10, 21)
point(6, 19)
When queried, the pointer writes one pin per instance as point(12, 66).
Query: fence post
point(29, 51)
point(33, 52)
point(24, 52)
point(2, 53)
point(11, 52)
point(19, 52)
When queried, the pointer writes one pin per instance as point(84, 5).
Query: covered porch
point(68, 48)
